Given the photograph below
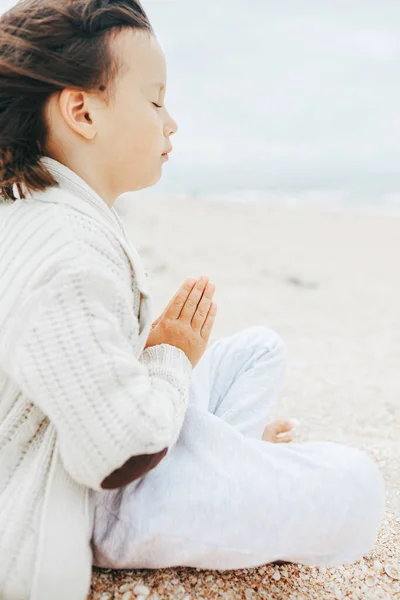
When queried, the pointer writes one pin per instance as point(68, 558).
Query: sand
point(329, 284)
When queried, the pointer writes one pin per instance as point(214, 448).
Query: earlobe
point(74, 109)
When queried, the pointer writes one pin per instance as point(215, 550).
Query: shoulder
point(94, 243)
point(40, 239)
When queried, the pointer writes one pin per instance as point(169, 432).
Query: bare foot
point(278, 431)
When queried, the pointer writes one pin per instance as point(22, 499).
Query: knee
point(363, 497)
point(369, 489)
point(268, 339)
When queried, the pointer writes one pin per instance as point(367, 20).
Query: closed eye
point(157, 105)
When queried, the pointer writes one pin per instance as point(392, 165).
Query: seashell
point(370, 580)
point(141, 590)
point(392, 571)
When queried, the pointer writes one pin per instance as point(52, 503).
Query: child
point(125, 443)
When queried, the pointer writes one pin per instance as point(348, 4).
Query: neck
point(95, 177)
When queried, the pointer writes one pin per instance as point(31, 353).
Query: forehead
point(141, 57)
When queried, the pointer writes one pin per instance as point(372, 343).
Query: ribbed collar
point(69, 180)
point(76, 193)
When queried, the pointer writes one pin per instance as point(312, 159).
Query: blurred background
point(289, 101)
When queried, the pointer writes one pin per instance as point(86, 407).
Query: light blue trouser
point(224, 499)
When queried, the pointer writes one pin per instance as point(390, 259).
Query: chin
point(142, 185)
point(154, 180)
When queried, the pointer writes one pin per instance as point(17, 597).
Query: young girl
point(125, 443)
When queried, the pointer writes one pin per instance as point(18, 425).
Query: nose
point(171, 127)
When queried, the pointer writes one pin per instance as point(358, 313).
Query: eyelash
point(157, 105)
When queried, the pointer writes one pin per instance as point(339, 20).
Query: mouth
point(166, 153)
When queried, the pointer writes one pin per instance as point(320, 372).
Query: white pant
point(224, 499)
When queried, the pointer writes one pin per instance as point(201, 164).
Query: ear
point(75, 109)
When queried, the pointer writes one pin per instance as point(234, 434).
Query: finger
point(209, 322)
point(174, 308)
point(191, 304)
point(284, 438)
point(204, 306)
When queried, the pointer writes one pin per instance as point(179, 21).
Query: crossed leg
point(223, 498)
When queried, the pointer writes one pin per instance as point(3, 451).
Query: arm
point(115, 416)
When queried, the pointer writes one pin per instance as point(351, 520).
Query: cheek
point(134, 137)
point(138, 130)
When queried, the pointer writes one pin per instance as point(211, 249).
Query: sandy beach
point(328, 283)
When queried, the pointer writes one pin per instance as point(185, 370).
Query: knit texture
point(74, 379)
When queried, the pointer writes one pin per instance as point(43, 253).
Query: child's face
point(132, 133)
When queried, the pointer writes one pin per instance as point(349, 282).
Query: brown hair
point(46, 46)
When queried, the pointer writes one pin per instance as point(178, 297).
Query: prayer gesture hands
point(188, 320)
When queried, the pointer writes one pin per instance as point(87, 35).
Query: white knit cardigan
point(79, 395)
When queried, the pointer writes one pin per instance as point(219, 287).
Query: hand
point(161, 316)
point(188, 320)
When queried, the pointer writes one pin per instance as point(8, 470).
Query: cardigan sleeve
point(73, 360)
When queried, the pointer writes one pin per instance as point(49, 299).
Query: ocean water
point(286, 101)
